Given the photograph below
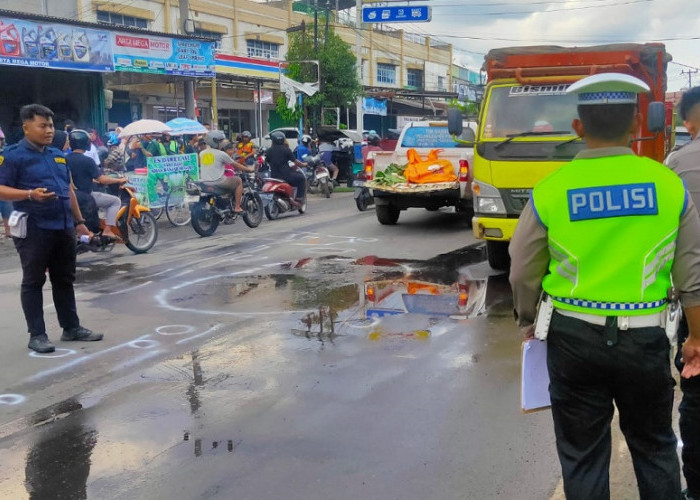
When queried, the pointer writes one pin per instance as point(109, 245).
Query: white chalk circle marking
point(143, 344)
point(58, 353)
point(174, 329)
point(11, 399)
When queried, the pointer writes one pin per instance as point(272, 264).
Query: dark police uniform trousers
point(50, 242)
point(689, 421)
point(52, 249)
point(592, 366)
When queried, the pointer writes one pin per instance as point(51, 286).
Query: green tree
point(338, 73)
point(469, 109)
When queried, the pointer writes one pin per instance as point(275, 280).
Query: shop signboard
point(143, 53)
point(166, 173)
point(372, 106)
point(54, 45)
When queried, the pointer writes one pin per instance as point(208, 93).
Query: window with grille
point(414, 78)
point(121, 20)
point(386, 73)
point(209, 34)
point(263, 50)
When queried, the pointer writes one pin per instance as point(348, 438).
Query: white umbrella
point(141, 127)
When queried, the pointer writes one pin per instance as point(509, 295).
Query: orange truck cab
point(524, 130)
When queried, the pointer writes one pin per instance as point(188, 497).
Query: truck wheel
point(387, 214)
point(497, 253)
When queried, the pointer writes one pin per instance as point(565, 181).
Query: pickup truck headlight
point(487, 199)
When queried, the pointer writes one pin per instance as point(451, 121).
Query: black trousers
point(296, 180)
point(689, 421)
point(52, 250)
point(593, 367)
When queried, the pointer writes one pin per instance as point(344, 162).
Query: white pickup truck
point(423, 136)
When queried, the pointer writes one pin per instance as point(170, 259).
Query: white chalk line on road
point(83, 359)
point(211, 330)
point(131, 289)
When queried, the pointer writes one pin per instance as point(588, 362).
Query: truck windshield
point(428, 137)
point(521, 109)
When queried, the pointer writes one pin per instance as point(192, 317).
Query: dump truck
point(524, 129)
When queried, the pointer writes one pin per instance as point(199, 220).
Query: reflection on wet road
point(329, 376)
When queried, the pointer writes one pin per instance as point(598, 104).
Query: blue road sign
point(403, 14)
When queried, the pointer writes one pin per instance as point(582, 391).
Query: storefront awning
point(247, 67)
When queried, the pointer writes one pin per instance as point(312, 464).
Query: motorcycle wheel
point(252, 209)
point(272, 210)
point(176, 208)
point(325, 188)
point(204, 219)
point(141, 233)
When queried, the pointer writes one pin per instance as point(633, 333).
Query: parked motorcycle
point(210, 205)
point(278, 197)
point(318, 178)
point(136, 226)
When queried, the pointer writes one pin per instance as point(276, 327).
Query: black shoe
point(82, 334)
point(41, 344)
point(685, 495)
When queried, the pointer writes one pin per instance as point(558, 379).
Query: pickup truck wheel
point(387, 214)
point(497, 253)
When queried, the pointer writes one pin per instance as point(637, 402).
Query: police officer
point(35, 177)
point(686, 163)
point(278, 157)
point(603, 236)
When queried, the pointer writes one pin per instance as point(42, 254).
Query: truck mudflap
point(493, 228)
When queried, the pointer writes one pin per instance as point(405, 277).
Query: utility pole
point(189, 82)
point(358, 52)
point(690, 73)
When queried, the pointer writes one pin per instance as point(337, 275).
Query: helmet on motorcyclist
point(306, 140)
point(245, 134)
point(277, 138)
point(214, 137)
point(79, 139)
point(113, 139)
point(373, 139)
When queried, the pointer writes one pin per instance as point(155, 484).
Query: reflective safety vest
point(244, 148)
point(612, 224)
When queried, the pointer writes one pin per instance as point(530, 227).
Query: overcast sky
point(475, 26)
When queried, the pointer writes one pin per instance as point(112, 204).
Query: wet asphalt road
point(249, 365)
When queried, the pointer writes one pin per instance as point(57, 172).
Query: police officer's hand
point(41, 195)
point(528, 332)
point(691, 357)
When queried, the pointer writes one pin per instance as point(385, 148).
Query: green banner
point(166, 173)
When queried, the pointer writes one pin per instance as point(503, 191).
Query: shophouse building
point(403, 74)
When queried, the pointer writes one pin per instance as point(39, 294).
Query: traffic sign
point(403, 14)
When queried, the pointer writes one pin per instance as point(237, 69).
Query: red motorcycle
point(278, 197)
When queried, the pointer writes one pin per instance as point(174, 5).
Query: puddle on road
point(335, 296)
point(371, 300)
